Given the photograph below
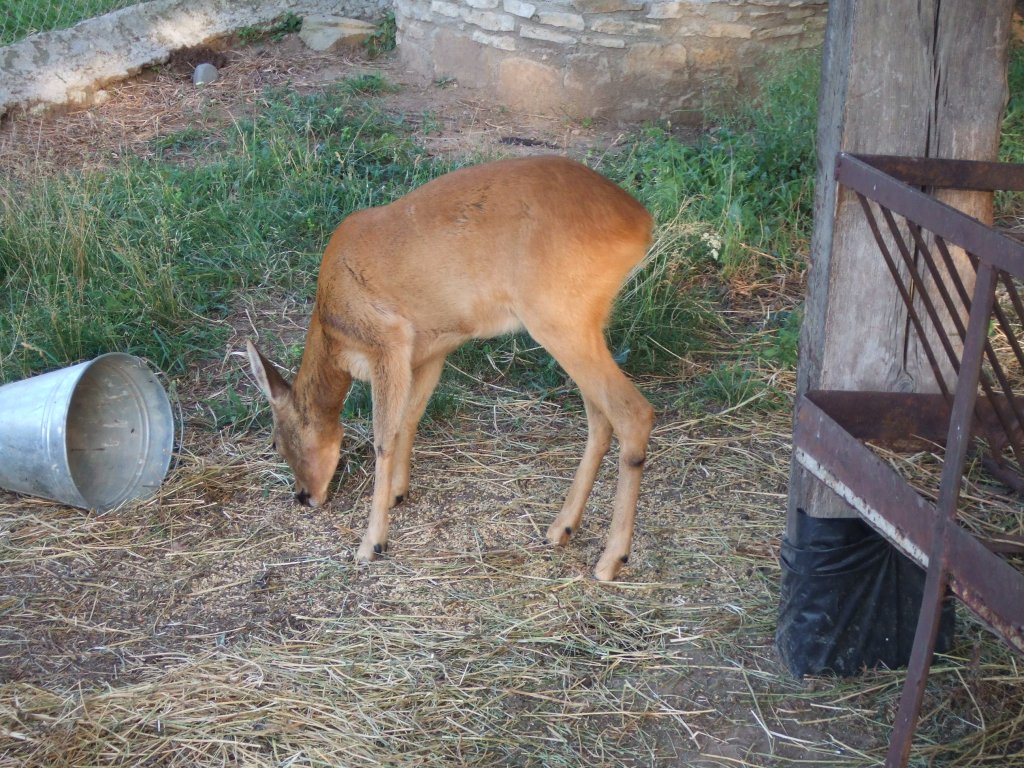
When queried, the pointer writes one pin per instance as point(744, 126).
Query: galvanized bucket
point(93, 435)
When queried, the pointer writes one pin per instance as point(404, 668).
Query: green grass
point(749, 181)
point(384, 37)
point(20, 18)
point(275, 30)
point(148, 257)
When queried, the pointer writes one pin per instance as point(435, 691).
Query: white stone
point(604, 42)
point(49, 68)
point(613, 27)
point(492, 22)
point(205, 74)
point(443, 8)
point(670, 10)
point(483, 4)
point(501, 42)
point(547, 35)
point(519, 8)
point(564, 20)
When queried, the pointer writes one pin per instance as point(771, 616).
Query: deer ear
point(271, 383)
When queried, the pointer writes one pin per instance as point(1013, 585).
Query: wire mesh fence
point(21, 18)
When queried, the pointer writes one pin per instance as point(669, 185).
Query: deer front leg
point(424, 380)
point(391, 384)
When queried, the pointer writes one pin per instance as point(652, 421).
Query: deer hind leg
point(391, 387)
point(424, 381)
point(599, 440)
point(586, 358)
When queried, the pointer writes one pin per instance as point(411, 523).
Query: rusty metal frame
point(914, 232)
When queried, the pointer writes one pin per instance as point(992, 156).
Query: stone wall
point(615, 59)
point(68, 65)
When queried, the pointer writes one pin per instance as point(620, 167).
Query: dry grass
point(220, 624)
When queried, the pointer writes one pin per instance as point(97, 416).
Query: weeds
point(288, 24)
point(383, 39)
point(749, 180)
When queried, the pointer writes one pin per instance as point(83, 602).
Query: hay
point(222, 624)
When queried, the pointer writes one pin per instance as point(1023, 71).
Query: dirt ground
point(222, 624)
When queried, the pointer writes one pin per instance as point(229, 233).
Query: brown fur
point(538, 243)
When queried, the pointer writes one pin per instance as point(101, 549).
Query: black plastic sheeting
point(850, 600)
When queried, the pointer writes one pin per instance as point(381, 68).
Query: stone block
point(615, 27)
point(322, 33)
point(527, 83)
point(547, 35)
point(520, 8)
point(604, 42)
point(492, 22)
point(485, 5)
point(726, 29)
point(501, 42)
point(416, 11)
point(563, 20)
point(670, 10)
point(790, 30)
point(654, 58)
point(607, 6)
point(442, 8)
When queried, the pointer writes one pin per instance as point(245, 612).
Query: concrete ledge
point(67, 66)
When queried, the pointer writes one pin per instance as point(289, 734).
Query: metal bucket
point(93, 435)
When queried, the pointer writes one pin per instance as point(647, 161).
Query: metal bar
point(902, 288)
point(945, 520)
point(901, 420)
point(1011, 290)
point(1015, 417)
point(926, 302)
point(990, 587)
point(930, 534)
point(954, 275)
point(1006, 424)
point(987, 584)
point(954, 311)
point(947, 258)
point(949, 223)
point(1013, 431)
point(868, 484)
point(950, 174)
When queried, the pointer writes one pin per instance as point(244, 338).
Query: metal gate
point(978, 410)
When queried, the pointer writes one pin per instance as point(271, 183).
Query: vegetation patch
point(22, 18)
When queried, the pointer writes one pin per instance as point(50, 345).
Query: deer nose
point(303, 498)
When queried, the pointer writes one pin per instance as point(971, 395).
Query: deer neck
point(321, 385)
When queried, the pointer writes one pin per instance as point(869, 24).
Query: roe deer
point(539, 243)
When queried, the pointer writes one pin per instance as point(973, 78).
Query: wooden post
point(923, 78)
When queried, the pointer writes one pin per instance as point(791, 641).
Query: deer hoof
point(608, 567)
point(368, 552)
point(559, 534)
